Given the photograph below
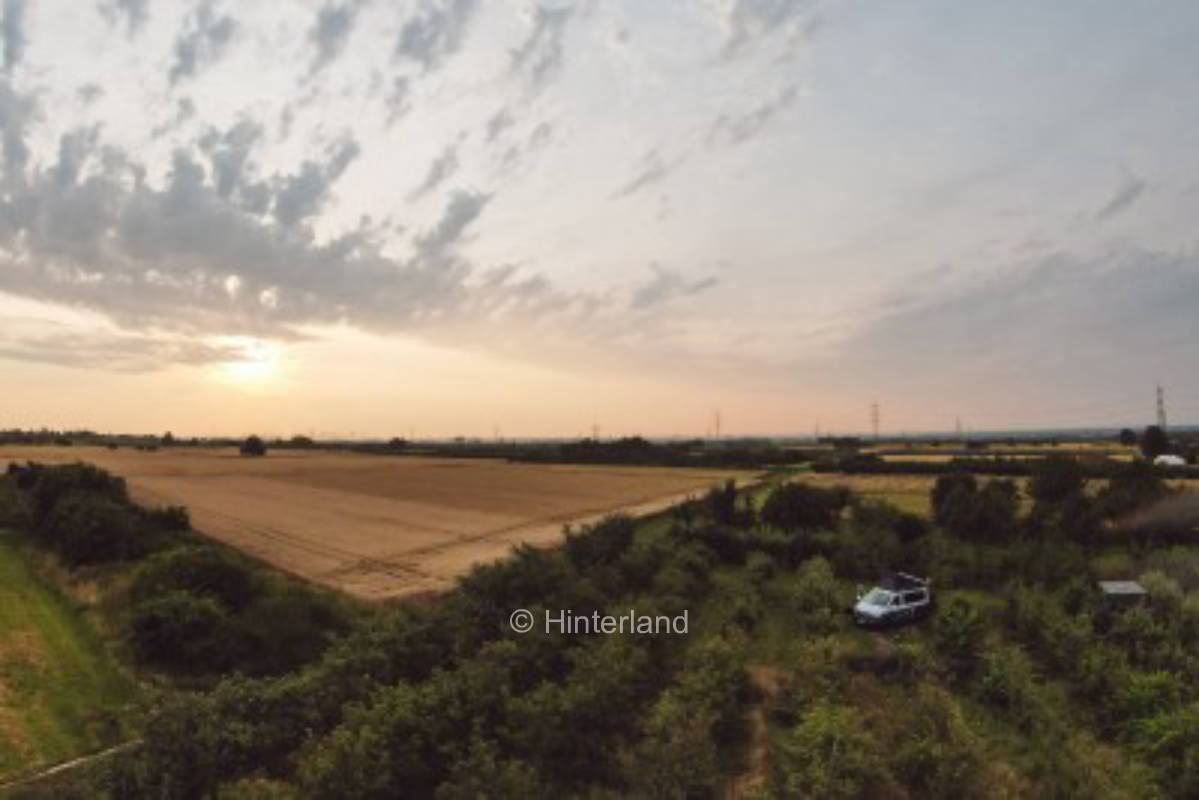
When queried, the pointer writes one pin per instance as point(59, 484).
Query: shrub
point(602, 543)
point(829, 754)
point(179, 631)
point(89, 527)
point(958, 635)
point(198, 570)
point(799, 507)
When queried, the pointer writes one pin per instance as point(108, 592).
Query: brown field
point(380, 526)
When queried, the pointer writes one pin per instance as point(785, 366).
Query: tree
point(797, 506)
point(958, 636)
point(829, 754)
point(1128, 437)
point(1057, 479)
point(253, 446)
point(945, 486)
point(1154, 442)
point(397, 443)
point(168, 439)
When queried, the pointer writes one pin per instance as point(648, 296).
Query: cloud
point(746, 21)
point(735, 129)
point(499, 122)
point(435, 32)
point(134, 12)
point(539, 56)
point(654, 169)
point(302, 194)
point(186, 258)
point(666, 285)
point(397, 100)
point(203, 41)
point(440, 170)
point(1127, 193)
point(229, 155)
point(331, 31)
point(185, 110)
point(1060, 316)
point(463, 209)
point(89, 93)
point(116, 352)
point(12, 30)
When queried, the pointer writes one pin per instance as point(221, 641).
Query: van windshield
point(877, 597)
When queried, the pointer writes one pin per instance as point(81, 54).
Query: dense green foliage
point(190, 609)
point(1025, 682)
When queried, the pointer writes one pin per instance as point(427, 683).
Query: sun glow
point(258, 361)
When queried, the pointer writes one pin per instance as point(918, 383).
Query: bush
point(179, 631)
point(799, 507)
point(829, 754)
point(199, 570)
point(601, 543)
point(958, 636)
point(89, 527)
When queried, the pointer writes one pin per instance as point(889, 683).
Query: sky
point(465, 218)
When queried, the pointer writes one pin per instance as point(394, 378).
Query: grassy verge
point(61, 692)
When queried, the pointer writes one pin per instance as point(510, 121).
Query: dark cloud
point(441, 169)
point(654, 169)
point(746, 21)
point(435, 33)
point(331, 31)
point(202, 42)
point(302, 194)
point(462, 209)
point(229, 155)
point(1127, 193)
point(16, 111)
point(134, 13)
point(666, 285)
point(734, 129)
point(12, 30)
point(539, 56)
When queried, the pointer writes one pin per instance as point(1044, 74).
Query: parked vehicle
point(897, 599)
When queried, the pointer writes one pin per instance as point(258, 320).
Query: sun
point(258, 361)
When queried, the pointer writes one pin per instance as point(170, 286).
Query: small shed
point(1123, 591)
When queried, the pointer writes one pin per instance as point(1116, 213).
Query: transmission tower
point(874, 418)
point(1161, 407)
point(717, 423)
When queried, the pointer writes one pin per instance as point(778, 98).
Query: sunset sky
point(457, 217)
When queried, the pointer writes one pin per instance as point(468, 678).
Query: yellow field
point(380, 526)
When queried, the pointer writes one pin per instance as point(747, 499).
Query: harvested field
point(380, 526)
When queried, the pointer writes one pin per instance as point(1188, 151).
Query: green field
point(61, 693)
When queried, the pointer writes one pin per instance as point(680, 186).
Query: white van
point(898, 598)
